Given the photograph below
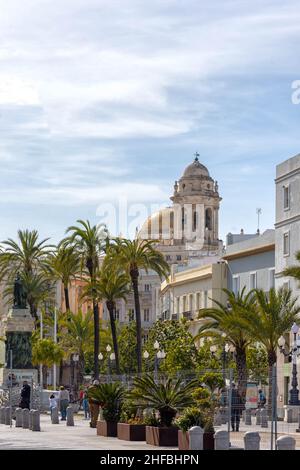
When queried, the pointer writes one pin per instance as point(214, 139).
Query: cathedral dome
point(158, 225)
point(195, 169)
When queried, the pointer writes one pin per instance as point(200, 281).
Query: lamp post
point(156, 347)
point(108, 349)
point(226, 348)
point(76, 360)
point(293, 353)
point(146, 357)
point(112, 358)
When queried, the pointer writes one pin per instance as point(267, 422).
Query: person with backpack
point(261, 399)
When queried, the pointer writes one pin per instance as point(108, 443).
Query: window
point(131, 314)
point(236, 284)
point(208, 219)
point(147, 287)
point(286, 244)
point(286, 197)
point(117, 315)
point(168, 258)
point(178, 257)
point(195, 221)
point(145, 337)
point(146, 315)
point(271, 278)
point(253, 281)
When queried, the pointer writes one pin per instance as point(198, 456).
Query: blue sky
point(109, 99)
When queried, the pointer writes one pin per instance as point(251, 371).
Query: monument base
point(291, 413)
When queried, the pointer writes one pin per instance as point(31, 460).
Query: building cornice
point(249, 251)
point(290, 220)
point(287, 175)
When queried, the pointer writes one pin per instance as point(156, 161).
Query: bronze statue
point(20, 297)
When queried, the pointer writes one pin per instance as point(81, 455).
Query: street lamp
point(146, 357)
point(108, 349)
point(292, 354)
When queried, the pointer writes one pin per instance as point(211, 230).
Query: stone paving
point(59, 436)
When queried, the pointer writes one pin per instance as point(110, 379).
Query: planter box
point(162, 437)
point(131, 432)
point(208, 441)
point(107, 428)
point(184, 441)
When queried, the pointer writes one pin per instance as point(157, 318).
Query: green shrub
point(190, 417)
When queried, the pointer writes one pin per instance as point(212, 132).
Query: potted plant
point(190, 417)
point(131, 426)
point(110, 397)
point(167, 398)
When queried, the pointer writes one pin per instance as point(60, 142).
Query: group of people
point(61, 401)
point(238, 405)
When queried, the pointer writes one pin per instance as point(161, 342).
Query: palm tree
point(133, 256)
point(77, 337)
point(88, 241)
point(293, 271)
point(223, 319)
point(167, 398)
point(64, 264)
point(26, 256)
point(110, 397)
point(112, 285)
point(270, 318)
point(47, 353)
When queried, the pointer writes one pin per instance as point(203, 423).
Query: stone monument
point(16, 327)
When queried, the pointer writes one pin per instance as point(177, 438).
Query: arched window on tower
point(182, 218)
point(208, 219)
point(195, 220)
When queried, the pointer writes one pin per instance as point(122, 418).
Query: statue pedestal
point(17, 328)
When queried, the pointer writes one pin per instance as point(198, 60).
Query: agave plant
point(110, 397)
point(167, 398)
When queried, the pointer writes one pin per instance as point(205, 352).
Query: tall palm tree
point(112, 285)
point(77, 337)
point(270, 318)
point(132, 257)
point(47, 353)
point(224, 319)
point(88, 241)
point(64, 264)
point(26, 256)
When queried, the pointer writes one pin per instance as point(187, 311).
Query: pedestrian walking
point(236, 408)
point(25, 396)
point(93, 405)
point(85, 406)
point(52, 403)
point(64, 400)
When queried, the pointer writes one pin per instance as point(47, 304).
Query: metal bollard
point(252, 440)
point(248, 417)
point(19, 418)
point(258, 416)
point(2, 415)
point(70, 416)
point(222, 440)
point(7, 416)
point(30, 419)
point(286, 443)
point(36, 426)
point(196, 438)
point(264, 418)
point(54, 416)
point(25, 418)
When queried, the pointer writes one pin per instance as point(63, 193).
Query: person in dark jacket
point(25, 396)
point(236, 408)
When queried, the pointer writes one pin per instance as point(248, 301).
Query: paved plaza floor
point(60, 436)
point(82, 437)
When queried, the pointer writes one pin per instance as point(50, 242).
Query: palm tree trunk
point(45, 370)
point(111, 309)
point(241, 365)
point(134, 274)
point(61, 371)
point(81, 368)
point(96, 339)
point(67, 300)
point(272, 358)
